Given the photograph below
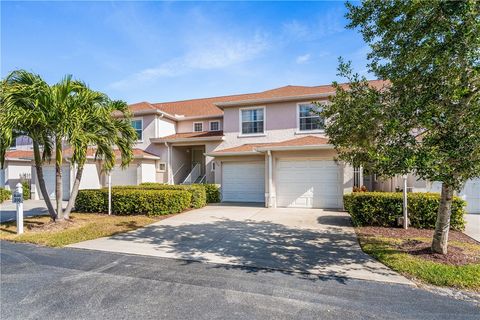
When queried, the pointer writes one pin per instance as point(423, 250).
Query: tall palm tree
point(67, 114)
point(102, 125)
point(25, 109)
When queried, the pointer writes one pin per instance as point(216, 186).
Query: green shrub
point(150, 202)
point(92, 200)
point(5, 194)
point(199, 195)
point(212, 191)
point(134, 201)
point(383, 209)
point(26, 190)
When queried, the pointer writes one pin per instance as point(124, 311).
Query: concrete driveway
point(299, 240)
point(8, 210)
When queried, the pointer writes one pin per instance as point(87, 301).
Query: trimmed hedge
point(92, 200)
point(26, 190)
point(212, 191)
point(134, 201)
point(5, 194)
point(199, 196)
point(383, 209)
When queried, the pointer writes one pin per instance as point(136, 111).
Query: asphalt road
point(46, 283)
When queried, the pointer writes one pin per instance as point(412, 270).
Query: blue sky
point(164, 51)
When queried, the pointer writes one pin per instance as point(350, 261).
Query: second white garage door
point(243, 181)
point(124, 177)
point(308, 184)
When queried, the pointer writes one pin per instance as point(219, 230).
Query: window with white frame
point(214, 125)
point(138, 126)
point(197, 126)
point(161, 166)
point(309, 117)
point(252, 120)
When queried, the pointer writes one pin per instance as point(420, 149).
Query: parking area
point(293, 240)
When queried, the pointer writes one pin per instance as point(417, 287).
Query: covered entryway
point(49, 177)
point(308, 183)
point(243, 181)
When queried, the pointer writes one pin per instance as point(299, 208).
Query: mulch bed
point(421, 248)
point(50, 225)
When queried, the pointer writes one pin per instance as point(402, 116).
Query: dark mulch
point(421, 248)
point(412, 233)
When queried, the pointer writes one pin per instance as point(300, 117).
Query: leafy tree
point(425, 119)
point(65, 116)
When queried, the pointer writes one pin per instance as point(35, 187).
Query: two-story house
point(266, 147)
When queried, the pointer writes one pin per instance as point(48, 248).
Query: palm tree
point(102, 125)
point(25, 109)
point(67, 113)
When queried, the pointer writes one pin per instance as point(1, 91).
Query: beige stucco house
point(267, 147)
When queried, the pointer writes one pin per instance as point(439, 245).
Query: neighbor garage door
point(243, 181)
point(308, 184)
point(471, 194)
point(124, 177)
point(49, 177)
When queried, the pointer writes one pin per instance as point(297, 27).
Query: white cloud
point(303, 58)
point(314, 28)
point(214, 54)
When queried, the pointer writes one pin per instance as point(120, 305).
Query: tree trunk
point(442, 226)
point(41, 181)
point(73, 195)
point(58, 178)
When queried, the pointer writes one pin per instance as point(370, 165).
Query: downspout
point(270, 201)
point(169, 164)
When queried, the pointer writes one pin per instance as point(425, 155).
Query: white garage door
point(243, 181)
point(124, 177)
point(49, 177)
point(308, 184)
point(470, 193)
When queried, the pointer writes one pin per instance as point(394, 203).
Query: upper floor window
point(138, 126)
point(252, 120)
point(197, 126)
point(309, 117)
point(214, 125)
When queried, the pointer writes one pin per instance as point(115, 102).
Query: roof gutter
point(157, 112)
point(222, 105)
point(163, 140)
point(230, 154)
point(287, 148)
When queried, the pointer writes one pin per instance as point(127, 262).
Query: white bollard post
point(109, 193)
point(18, 199)
point(405, 203)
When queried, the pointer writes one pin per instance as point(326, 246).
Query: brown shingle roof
point(297, 142)
point(19, 154)
point(67, 152)
point(206, 106)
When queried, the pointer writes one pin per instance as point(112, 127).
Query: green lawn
point(81, 227)
point(387, 250)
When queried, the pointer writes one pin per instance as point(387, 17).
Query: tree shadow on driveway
point(252, 244)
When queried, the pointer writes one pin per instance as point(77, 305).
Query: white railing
point(193, 175)
point(203, 179)
point(176, 172)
